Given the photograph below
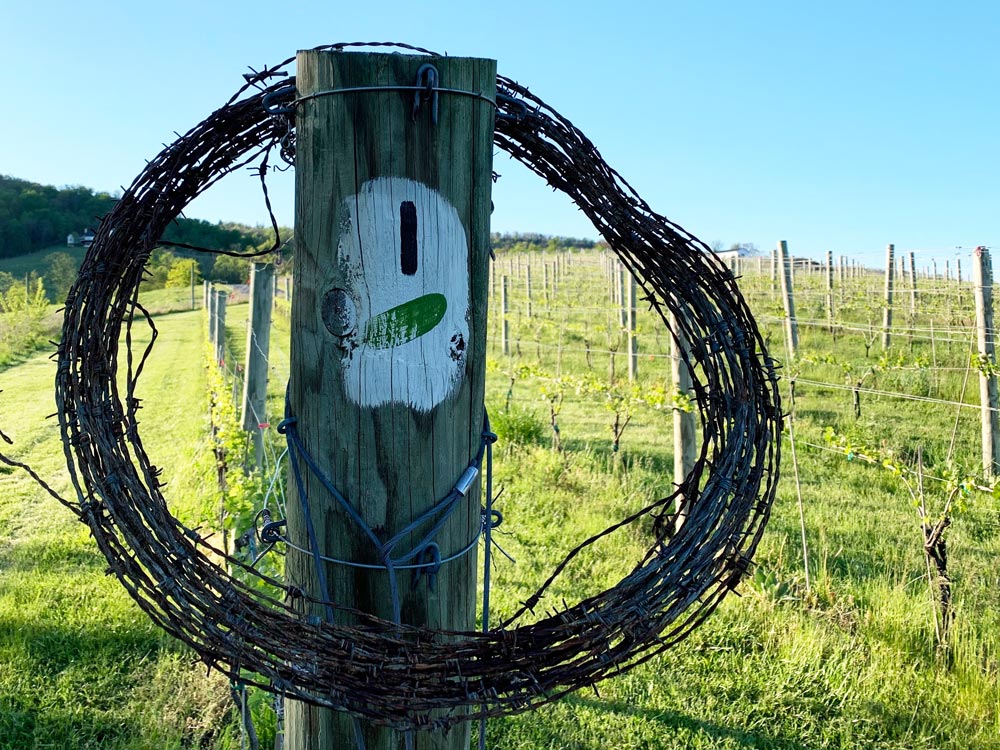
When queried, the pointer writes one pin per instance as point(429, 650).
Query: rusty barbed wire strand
point(401, 676)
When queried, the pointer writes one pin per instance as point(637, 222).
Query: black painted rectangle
point(408, 238)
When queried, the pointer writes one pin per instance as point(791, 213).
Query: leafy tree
point(158, 268)
point(180, 272)
point(22, 310)
point(231, 270)
point(518, 242)
point(33, 217)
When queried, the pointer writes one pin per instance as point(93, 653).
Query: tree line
point(527, 242)
point(34, 217)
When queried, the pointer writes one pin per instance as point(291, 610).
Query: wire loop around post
point(258, 637)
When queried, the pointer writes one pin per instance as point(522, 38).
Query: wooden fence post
point(388, 342)
point(504, 317)
point(545, 283)
point(791, 327)
point(220, 326)
point(887, 302)
point(982, 281)
point(913, 285)
point(622, 281)
point(211, 314)
point(685, 434)
point(829, 288)
point(257, 350)
point(527, 289)
point(633, 342)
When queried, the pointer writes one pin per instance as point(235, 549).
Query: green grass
point(80, 665)
point(849, 662)
point(21, 265)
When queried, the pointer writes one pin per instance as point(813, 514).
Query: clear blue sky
point(835, 126)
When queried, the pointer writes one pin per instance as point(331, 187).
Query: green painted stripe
point(405, 322)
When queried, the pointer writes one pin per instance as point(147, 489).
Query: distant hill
point(34, 217)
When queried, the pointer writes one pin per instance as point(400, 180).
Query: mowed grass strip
point(80, 665)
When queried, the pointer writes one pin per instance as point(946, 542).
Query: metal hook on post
point(428, 80)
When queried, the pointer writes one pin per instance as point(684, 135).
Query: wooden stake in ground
point(388, 341)
point(220, 326)
point(257, 350)
point(982, 281)
point(633, 341)
point(791, 327)
point(887, 304)
point(685, 436)
point(829, 289)
point(504, 317)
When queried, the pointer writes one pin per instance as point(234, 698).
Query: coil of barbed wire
point(397, 675)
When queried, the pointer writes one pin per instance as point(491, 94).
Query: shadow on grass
point(677, 720)
point(26, 724)
point(98, 648)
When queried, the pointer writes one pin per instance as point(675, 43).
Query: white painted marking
point(424, 371)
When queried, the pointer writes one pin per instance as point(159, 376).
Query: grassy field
point(20, 266)
point(849, 661)
point(80, 665)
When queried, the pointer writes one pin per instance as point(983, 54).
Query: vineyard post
point(958, 270)
point(791, 327)
point(288, 288)
point(622, 280)
point(633, 342)
point(684, 421)
point(887, 302)
point(388, 346)
point(220, 325)
point(947, 270)
point(206, 290)
point(774, 272)
point(913, 285)
point(829, 288)
point(613, 282)
point(193, 305)
point(545, 283)
point(527, 289)
point(257, 350)
point(934, 269)
point(504, 317)
point(982, 281)
point(211, 314)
